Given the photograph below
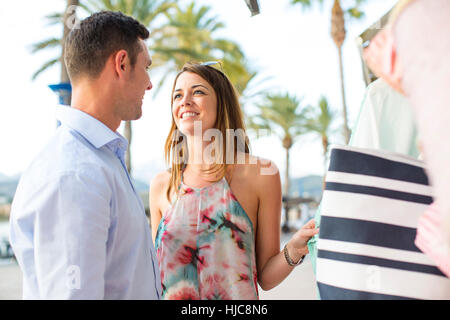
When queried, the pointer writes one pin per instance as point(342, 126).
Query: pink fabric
point(430, 239)
point(205, 246)
point(422, 41)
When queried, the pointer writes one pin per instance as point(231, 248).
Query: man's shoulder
point(67, 150)
point(64, 155)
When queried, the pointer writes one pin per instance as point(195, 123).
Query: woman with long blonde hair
point(215, 213)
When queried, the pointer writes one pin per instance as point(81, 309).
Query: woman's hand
point(299, 241)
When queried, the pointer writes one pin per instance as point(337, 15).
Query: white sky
point(290, 45)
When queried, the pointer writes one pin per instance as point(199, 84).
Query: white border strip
point(371, 208)
point(382, 280)
point(374, 251)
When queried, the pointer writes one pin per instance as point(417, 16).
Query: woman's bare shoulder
point(256, 167)
point(161, 180)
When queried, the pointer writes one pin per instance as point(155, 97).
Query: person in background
point(412, 55)
point(215, 214)
point(385, 122)
point(78, 227)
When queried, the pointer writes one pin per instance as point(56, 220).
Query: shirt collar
point(93, 130)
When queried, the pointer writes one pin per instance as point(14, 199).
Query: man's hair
point(88, 46)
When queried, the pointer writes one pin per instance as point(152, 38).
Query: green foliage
point(145, 11)
point(281, 114)
point(306, 3)
point(44, 67)
point(49, 43)
point(321, 117)
point(178, 34)
point(353, 10)
point(190, 36)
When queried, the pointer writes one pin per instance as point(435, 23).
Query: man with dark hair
point(78, 227)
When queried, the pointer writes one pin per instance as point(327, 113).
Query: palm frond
point(54, 18)
point(356, 13)
point(44, 67)
point(283, 114)
point(307, 4)
point(353, 11)
point(45, 44)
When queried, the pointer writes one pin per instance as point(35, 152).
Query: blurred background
point(295, 63)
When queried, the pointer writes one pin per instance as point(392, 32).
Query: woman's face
point(194, 99)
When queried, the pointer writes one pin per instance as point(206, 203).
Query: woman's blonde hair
point(229, 116)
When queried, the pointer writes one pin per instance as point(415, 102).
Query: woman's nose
point(186, 101)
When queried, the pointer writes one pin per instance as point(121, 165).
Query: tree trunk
point(128, 135)
point(338, 34)
point(325, 150)
point(286, 177)
point(285, 227)
point(344, 104)
point(66, 30)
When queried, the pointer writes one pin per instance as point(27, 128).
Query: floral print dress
point(205, 246)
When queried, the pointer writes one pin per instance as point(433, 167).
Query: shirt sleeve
point(72, 218)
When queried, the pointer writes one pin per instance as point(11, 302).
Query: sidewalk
point(10, 282)
point(299, 285)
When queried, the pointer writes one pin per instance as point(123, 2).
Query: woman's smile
point(188, 115)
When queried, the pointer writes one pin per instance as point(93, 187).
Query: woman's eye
point(176, 96)
point(198, 91)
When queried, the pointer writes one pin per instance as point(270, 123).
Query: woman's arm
point(157, 199)
point(271, 263)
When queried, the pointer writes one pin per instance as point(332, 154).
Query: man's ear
point(121, 62)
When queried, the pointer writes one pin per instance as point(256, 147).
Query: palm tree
point(338, 33)
point(54, 42)
point(283, 115)
point(146, 12)
point(190, 35)
point(320, 119)
point(185, 34)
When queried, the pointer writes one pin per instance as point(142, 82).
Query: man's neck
point(96, 102)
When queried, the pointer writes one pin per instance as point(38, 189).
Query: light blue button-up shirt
point(77, 227)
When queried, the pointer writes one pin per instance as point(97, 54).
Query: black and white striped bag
point(369, 214)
